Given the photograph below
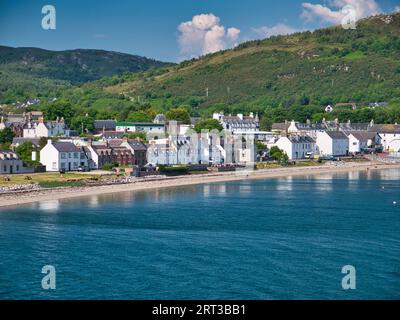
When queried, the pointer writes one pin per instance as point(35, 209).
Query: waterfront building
point(11, 163)
point(63, 156)
point(390, 136)
point(297, 147)
point(332, 143)
point(360, 141)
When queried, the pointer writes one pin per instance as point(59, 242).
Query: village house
point(138, 149)
point(239, 122)
point(360, 141)
point(11, 163)
point(390, 136)
point(296, 147)
point(172, 151)
point(63, 156)
point(46, 129)
point(160, 119)
point(332, 143)
point(100, 154)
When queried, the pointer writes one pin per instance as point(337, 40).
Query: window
point(62, 165)
point(54, 165)
point(70, 155)
point(76, 155)
point(17, 168)
point(5, 168)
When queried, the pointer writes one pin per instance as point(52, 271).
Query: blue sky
point(165, 29)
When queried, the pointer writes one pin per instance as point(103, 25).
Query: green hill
point(310, 68)
point(38, 72)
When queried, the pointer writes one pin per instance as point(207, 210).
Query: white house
point(332, 143)
point(152, 129)
point(363, 140)
point(296, 147)
point(196, 149)
point(46, 129)
point(60, 156)
point(390, 136)
point(240, 122)
point(171, 151)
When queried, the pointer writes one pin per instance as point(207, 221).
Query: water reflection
point(49, 206)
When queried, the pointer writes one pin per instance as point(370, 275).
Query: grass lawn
point(49, 180)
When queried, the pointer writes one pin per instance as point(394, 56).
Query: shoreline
point(15, 199)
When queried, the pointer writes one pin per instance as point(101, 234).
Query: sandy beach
point(20, 198)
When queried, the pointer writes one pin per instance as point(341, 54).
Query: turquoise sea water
point(266, 239)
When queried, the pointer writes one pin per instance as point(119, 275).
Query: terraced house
point(63, 156)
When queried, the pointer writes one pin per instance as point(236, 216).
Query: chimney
point(49, 141)
point(240, 116)
point(62, 120)
point(371, 123)
point(41, 120)
point(251, 115)
point(58, 119)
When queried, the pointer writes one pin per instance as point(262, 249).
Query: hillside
point(310, 68)
point(38, 72)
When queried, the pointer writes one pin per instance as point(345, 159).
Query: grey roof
point(363, 135)
point(108, 125)
point(280, 126)
point(137, 145)
point(301, 139)
point(386, 128)
point(8, 155)
point(354, 126)
point(311, 126)
point(236, 121)
point(19, 141)
point(337, 135)
point(66, 147)
point(160, 118)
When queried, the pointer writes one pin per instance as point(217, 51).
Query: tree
point(266, 123)
point(141, 116)
point(85, 122)
point(209, 124)
point(60, 108)
point(25, 151)
point(179, 114)
point(135, 135)
point(278, 154)
point(6, 136)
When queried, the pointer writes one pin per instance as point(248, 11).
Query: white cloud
point(278, 29)
point(204, 34)
point(397, 9)
point(334, 13)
